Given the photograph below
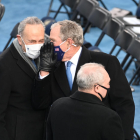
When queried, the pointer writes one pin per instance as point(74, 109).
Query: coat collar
point(86, 97)
point(21, 62)
point(61, 77)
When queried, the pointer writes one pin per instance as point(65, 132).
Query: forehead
point(55, 32)
point(34, 30)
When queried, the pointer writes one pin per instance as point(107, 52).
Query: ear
point(97, 88)
point(19, 39)
point(70, 41)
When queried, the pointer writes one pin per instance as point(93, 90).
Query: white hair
point(70, 29)
point(29, 20)
point(89, 75)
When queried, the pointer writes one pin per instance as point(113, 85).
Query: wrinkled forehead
point(55, 32)
point(34, 29)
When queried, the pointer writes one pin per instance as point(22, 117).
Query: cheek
point(105, 92)
point(102, 91)
point(56, 44)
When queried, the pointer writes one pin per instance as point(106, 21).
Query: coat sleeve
point(120, 97)
point(41, 93)
point(112, 128)
point(5, 88)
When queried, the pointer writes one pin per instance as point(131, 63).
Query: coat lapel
point(61, 77)
point(22, 63)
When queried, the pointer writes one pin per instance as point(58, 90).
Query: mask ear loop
point(62, 43)
point(22, 40)
point(70, 47)
point(74, 45)
point(67, 49)
point(98, 93)
point(24, 44)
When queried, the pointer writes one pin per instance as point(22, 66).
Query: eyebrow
point(41, 39)
point(52, 38)
point(32, 40)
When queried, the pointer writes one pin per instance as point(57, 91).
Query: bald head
point(91, 74)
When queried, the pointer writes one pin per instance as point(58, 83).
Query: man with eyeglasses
point(83, 116)
point(56, 80)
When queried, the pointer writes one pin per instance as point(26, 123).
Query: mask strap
point(62, 43)
point(103, 87)
point(22, 40)
point(24, 44)
point(70, 47)
point(100, 96)
point(74, 45)
point(67, 49)
point(98, 93)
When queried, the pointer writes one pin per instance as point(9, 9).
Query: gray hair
point(89, 75)
point(70, 29)
point(29, 20)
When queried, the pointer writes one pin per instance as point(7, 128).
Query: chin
point(63, 60)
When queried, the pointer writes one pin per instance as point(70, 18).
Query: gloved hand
point(47, 57)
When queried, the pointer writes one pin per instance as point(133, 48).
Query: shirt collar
point(75, 58)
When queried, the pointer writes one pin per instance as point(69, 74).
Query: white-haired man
point(83, 116)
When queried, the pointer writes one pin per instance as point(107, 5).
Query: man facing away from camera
point(83, 116)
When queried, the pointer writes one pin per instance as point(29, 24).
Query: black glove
point(47, 57)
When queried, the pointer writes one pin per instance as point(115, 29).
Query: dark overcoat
point(119, 98)
point(18, 119)
point(82, 116)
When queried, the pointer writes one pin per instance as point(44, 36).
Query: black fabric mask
point(108, 89)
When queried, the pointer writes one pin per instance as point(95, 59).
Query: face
point(106, 84)
point(32, 34)
point(55, 38)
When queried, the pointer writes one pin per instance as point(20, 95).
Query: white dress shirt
point(74, 61)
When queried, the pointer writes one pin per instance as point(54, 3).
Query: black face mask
point(108, 89)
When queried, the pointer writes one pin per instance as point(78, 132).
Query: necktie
point(34, 63)
point(69, 75)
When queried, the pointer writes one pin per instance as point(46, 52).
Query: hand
point(47, 57)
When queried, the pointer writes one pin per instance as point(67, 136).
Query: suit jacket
point(82, 116)
point(18, 119)
point(119, 98)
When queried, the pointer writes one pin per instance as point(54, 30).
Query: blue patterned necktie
point(69, 75)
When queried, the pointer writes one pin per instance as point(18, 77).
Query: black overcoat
point(18, 119)
point(82, 116)
point(119, 98)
